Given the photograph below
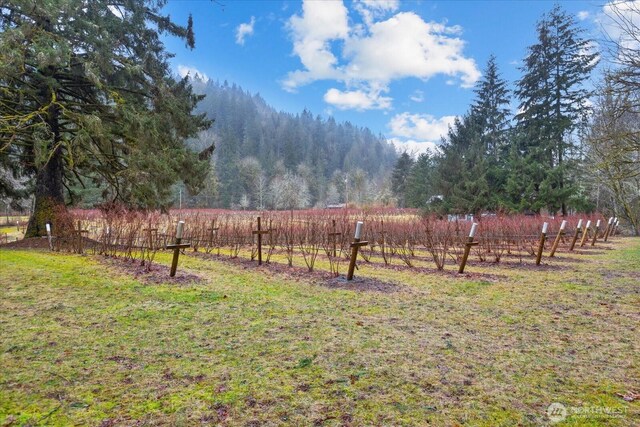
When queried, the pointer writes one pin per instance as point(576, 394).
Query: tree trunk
point(49, 196)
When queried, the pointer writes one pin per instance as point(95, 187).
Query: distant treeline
point(261, 153)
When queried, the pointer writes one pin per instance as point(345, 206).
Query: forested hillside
point(267, 158)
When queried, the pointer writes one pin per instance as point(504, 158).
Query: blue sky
point(403, 69)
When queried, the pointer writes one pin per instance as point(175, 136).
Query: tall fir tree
point(491, 110)
point(462, 169)
point(471, 172)
point(491, 114)
point(399, 177)
point(87, 94)
point(420, 189)
point(553, 101)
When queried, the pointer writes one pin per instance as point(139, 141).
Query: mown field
point(83, 342)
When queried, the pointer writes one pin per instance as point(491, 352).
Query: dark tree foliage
point(470, 171)
point(400, 176)
point(462, 168)
point(491, 111)
point(87, 96)
point(420, 189)
point(553, 102)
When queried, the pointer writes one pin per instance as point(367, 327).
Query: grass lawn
point(83, 344)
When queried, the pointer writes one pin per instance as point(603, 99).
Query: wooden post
point(575, 236)
point(212, 231)
point(260, 232)
point(259, 243)
point(467, 247)
point(152, 237)
point(616, 223)
point(557, 239)
point(48, 227)
point(78, 234)
point(354, 249)
point(332, 235)
point(176, 248)
point(543, 238)
point(585, 233)
point(608, 230)
point(595, 233)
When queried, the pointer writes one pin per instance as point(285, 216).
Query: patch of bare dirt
point(29, 243)
point(545, 265)
point(434, 271)
point(154, 274)
point(317, 277)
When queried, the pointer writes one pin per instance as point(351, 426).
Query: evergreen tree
point(491, 110)
point(462, 168)
point(491, 114)
point(553, 101)
point(420, 188)
point(87, 95)
point(470, 171)
point(399, 177)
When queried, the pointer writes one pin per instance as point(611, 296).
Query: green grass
point(83, 344)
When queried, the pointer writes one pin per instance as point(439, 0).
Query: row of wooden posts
point(611, 229)
point(357, 243)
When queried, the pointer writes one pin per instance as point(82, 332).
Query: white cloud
point(418, 133)
point(320, 23)
point(192, 72)
point(617, 15)
point(406, 46)
point(583, 14)
point(244, 30)
point(420, 126)
point(402, 46)
point(380, 5)
point(417, 96)
point(357, 100)
point(372, 9)
point(414, 147)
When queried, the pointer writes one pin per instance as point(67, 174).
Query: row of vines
point(395, 237)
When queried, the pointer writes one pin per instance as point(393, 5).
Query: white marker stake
point(467, 247)
point(607, 232)
point(575, 236)
point(598, 224)
point(354, 250)
point(48, 227)
point(585, 233)
point(474, 227)
point(180, 230)
point(543, 237)
point(556, 242)
point(358, 230)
